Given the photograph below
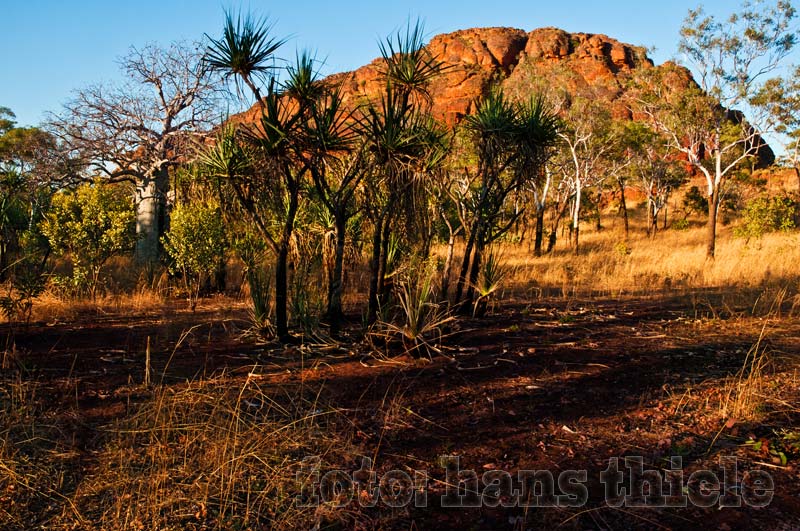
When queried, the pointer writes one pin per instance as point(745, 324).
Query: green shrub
point(695, 201)
point(680, 224)
point(196, 242)
point(253, 252)
point(622, 249)
point(27, 275)
point(767, 214)
point(90, 224)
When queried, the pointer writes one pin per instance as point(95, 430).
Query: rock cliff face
point(521, 63)
point(476, 59)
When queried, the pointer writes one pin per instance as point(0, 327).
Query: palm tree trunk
point(281, 270)
point(281, 293)
point(462, 275)
point(448, 263)
point(384, 288)
point(475, 269)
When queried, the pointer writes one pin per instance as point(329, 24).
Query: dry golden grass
point(744, 393)
point(213, 454)
point(50, 307)
point(607, 265)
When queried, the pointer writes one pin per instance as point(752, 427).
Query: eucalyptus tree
point(780, 98)
point(730, 59)
point(587, 139)
point(138, 130)
point(649, 163)
point(31, 169)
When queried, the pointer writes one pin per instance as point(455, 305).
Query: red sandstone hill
point(476, 59)
point(521, 63)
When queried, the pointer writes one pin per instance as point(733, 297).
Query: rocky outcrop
point(519, 61)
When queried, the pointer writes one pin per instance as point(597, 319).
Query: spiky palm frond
point(330, 127)
point(409, 64)
point(225, 158)
point(539, 124)
point(272, 135)
point(245, 50)
point(303, 82)
point(386, 129)
point(422, 321)
point(495, 117)
point(538, 132)
point(494, 126)
point(435, 140)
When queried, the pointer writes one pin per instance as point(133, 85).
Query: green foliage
point(245, 49)
point(695, 201)
point(27, 277)
point(492, 275)
point(196, 242)
point(90, 224)
point(767, 214)
point(421, 320)
point(622, 249)
point(680, 224)
point(252, 250)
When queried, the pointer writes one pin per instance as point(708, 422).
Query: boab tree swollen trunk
point(150, 200)
point(138, 130)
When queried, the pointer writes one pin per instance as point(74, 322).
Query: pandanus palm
point(276, 143)
point(408, 64)
point(494, 128)
point(245, 51)
point(513, 143)
point(397, 134)
point(337, 165)
point(539, 133)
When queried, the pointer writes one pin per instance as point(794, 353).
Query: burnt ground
point(552, 385)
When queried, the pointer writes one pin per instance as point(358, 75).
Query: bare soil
point(551, 385)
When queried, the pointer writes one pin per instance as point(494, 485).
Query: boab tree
point(730, 58)
point(138, 130)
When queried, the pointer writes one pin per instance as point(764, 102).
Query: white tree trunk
point(150, 199)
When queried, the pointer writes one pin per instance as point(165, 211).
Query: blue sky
point(49, 48)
